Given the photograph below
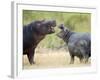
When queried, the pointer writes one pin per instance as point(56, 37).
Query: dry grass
point(52, 59)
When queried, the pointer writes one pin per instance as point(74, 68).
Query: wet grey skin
point(79, 43)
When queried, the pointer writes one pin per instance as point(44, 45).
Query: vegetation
point(79, 22)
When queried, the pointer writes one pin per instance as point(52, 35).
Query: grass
point(52, 59)
point(49, 58)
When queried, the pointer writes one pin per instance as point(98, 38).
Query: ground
point(45, 58)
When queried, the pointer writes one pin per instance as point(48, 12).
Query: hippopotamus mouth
point(52, 29)
point(52, 26)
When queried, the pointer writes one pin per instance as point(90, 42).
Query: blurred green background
point(79, 22)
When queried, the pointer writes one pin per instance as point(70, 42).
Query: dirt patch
point(52, 59)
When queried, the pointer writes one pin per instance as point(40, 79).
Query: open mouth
point(52, 29)
point(53, 26)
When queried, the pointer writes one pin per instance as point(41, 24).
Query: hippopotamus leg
point(81, 59)
point(72, 59)
point(86, 57)
point(30, 55)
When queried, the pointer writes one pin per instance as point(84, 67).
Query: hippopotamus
point(33, 33)
point(79, 43)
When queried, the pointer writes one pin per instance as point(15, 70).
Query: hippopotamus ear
point(42, 20)
point(62, 27)
point(39, 22)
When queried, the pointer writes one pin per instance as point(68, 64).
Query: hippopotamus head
point(63, 31)
point(44, 27)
